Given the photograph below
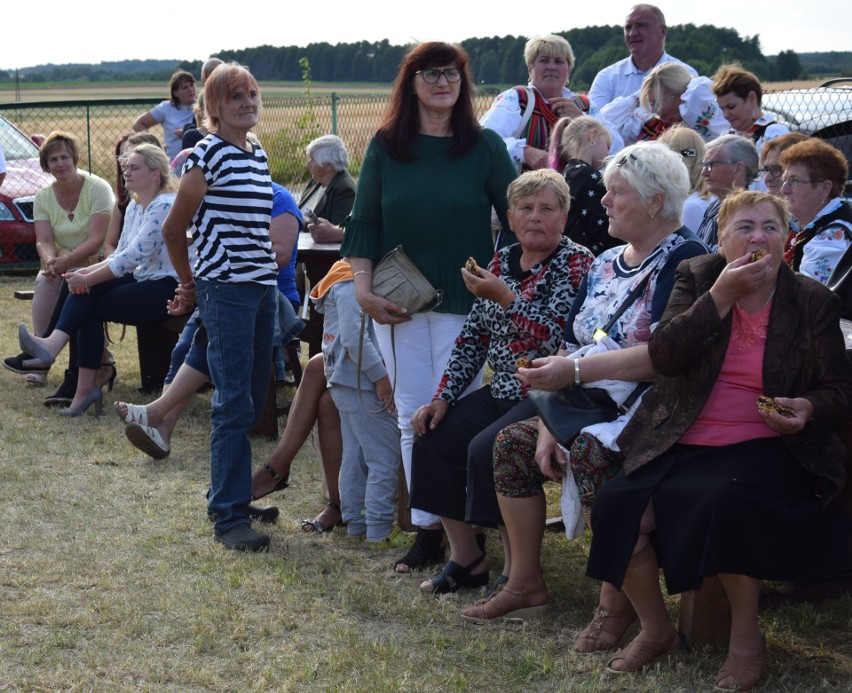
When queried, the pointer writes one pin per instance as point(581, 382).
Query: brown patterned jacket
point(804, 356)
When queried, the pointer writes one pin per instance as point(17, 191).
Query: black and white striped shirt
point(231, 225)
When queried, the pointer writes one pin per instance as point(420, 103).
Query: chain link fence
point(286, 126)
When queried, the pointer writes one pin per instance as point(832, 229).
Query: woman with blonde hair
point(688, 143)
point(132, 286)
point(585, 143)
point(524, 116)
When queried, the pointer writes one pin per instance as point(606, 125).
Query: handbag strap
point(360, 354)
point(631, 298)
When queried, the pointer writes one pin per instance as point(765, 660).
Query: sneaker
point(396, 538)
point(65, 394)
point(242, 537)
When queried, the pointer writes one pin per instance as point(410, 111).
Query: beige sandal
point(508, 604)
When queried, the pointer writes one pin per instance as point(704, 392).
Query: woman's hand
point(427, 417)
point(381, 310)
point(384, 393)
point(535, 158)
point(789, 425)
point(740, 278)
point(549, 457)
point(487, 285)
point(325, 232)
point(78, 282)
point(548, 373)
point(566, 107)
point(58, 265)
point(184, 300)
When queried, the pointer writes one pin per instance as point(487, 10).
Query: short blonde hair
point(155, 159)
point(666, 79)
point(531, 183)
point(575, 131)
point(550, 44)
point(683, 140)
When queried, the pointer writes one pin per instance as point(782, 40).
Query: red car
point(24, 178)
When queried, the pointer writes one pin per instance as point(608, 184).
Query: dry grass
point(111, 582)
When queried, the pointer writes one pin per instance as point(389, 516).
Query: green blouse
point(438, 207)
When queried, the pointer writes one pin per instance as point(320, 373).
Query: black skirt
point(746, 509)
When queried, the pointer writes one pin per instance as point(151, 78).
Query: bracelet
point(577, 381)
point(362, 272)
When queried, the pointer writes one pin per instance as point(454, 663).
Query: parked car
point(824, 111)
point(24, 178)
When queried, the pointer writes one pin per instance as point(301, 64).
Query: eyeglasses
point(689, 153)
point(708, 165)
point(432, 76)
point(794, 183)
point(775, 170)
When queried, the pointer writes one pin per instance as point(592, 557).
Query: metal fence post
point(334, 100)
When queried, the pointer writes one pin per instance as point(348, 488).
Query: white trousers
point(423, 347)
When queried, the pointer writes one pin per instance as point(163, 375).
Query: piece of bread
point(523, 362)
point(472, 267)
point(765, 403)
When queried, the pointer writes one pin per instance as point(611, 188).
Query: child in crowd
point(371, 453)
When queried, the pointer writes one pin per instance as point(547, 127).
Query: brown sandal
point(508, 605)
point(637, 655)
point(606, 630)
point(745, 670)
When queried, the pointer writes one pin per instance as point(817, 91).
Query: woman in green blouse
point(429, 180)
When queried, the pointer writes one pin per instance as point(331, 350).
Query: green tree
point(787, 66)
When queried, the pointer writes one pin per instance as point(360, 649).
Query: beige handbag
point(397, 279)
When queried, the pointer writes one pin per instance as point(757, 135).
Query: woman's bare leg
point(746, 647)
point(300, 421)
point(524, 520)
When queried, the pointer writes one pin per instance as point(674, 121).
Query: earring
point(592, 143)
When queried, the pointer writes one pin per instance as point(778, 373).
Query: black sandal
point(427, 549)
point(318, 527)
point(455, 577)
point(281, 482)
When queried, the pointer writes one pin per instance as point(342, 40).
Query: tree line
point(497, 60)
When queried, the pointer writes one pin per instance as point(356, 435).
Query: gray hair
point(651, 168)
point(329, 149)
point(737, 148)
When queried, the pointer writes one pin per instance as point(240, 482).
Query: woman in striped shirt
point(226, 194)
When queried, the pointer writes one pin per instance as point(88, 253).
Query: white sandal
point(136, 413)
point(148, 440)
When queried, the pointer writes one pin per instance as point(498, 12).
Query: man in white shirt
point(645, 37)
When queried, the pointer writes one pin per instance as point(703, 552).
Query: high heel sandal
point(109, 382)
point(95, 396)
point(454, 577)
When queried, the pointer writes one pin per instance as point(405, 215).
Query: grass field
point(111, 582)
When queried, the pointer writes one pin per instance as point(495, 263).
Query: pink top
point(730, 414)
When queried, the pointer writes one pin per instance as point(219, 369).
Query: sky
point(165, 29)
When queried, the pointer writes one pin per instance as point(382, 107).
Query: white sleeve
point(505, 117)
point(822, 253)
point(600, 93)
point(2, 160)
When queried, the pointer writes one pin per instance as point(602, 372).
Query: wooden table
point(317, 259)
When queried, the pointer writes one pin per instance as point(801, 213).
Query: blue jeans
point(239, 319)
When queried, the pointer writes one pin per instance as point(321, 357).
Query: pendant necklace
point(64, 204)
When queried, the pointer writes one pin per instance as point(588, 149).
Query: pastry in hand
point(524, 362)
point(472, 267)
point(757, 254)
point(765, 403)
